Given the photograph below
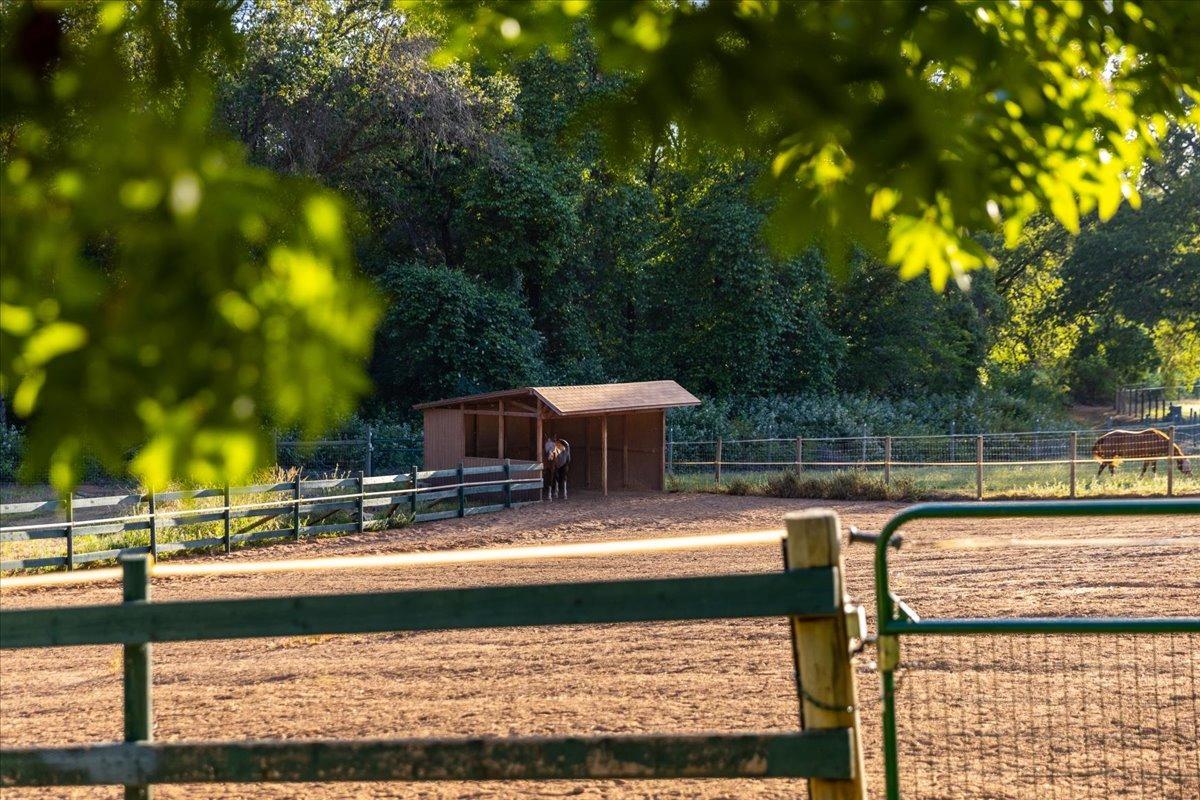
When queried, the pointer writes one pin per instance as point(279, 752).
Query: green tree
point(446, 335)
point(901, 126)
point(157, 293)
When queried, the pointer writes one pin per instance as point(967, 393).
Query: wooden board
point(805, 593)
point(748, 755)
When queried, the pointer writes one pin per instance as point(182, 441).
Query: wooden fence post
point(1170, 461)
point(70, 531)
point(799, 454)
point(979, 467)
point(1074, 458)
point(462, 492)
point(887, 459)
point(153, 526)
point(508, 483)
point(717, 460)
point(139, 708)
point(362, 504)
point(227, 518)
point(296, 510)
point(825, 677)
point(412, 498)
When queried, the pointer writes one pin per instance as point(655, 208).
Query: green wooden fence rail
point(823, 753)
point(896, 618)
point(370, 502)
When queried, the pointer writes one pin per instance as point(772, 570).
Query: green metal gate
point(1052, 697)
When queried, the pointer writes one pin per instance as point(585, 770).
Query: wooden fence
point(808, 592)
point(290, 510)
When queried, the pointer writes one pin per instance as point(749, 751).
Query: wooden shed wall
point(444, 438)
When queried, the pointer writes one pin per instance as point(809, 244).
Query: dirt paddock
point(989, 717)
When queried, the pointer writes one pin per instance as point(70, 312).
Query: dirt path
point(679, 677)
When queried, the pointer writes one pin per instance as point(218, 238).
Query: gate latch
point(856, 625)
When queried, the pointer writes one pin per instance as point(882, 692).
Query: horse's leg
point(1100, 471)
point(1144, 465)
point(564, 483)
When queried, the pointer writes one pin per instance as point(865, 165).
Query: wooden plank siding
point(514, 422)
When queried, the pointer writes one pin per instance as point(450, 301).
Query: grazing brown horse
point(1149, 445)
point(556, 457)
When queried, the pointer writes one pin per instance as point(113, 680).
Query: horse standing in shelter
point(556, 459)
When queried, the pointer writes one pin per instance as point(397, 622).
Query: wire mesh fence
point(1049, 716)
point(1045, 463)
point(379, 450)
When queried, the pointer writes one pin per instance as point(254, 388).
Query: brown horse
point(556, 459)
point(1148, 445)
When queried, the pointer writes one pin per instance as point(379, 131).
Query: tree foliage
point(157, 291)
point(918, 123)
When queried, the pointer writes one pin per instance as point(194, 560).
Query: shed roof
point(598, 398)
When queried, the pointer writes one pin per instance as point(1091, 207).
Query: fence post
point(717, 460)
point(1170, 461)
point(139, 708)
point(412, 498)
point(370, 450)
point(507, 483)
point(1074, 458)
point(296, 510)
point(799, 454)
point(462, 492)
point(887, 459)
point(153, 526)
point(70, 531)
point(228, 519)
point(825, 677)
point(979, 467)
point(362, 504)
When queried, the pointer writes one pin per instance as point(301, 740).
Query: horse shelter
point(617, 431)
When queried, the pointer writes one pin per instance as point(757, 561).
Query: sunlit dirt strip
point(427, 559)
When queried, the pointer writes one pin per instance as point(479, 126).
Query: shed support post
point(625, 451)
point(1074, 459)
point(500, 432)
point(587, 452)
point(139, 709)
point(604, 454)
point(799, 454)
point(538, 455)
point(825, 678)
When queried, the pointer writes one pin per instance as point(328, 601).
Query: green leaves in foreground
point(158, 293)
point(894, 124)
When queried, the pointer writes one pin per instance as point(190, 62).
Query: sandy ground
point(980, 717)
